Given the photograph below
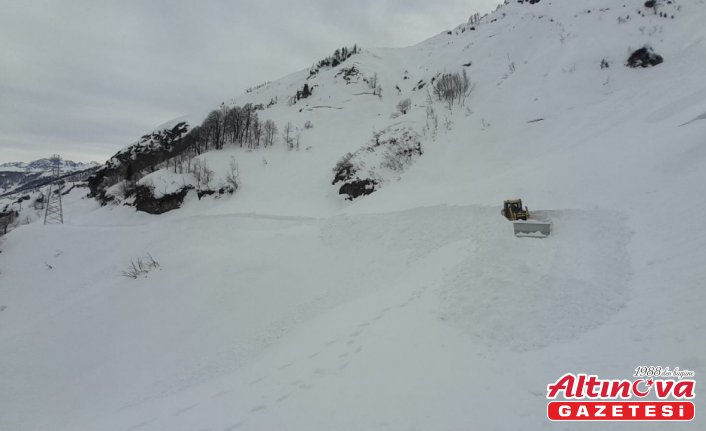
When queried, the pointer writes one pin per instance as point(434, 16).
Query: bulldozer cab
point(512, 210)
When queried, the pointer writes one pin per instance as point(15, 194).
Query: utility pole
point(54, 212)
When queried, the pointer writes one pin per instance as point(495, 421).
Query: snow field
point(285, 307)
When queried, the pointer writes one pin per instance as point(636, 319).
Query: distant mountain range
point(45, 165)
point(19, 176)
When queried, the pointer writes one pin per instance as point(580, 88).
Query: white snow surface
point(285, 307)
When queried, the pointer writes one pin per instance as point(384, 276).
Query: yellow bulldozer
point(523, 224)
point(513, 210)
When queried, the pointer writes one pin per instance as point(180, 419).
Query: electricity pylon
point(54, 212)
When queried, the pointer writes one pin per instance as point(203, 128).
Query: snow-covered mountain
point(285, 305)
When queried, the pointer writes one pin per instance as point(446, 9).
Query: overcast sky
point(85, 78)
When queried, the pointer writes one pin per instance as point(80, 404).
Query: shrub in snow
point(404, 105)
point(344, 169)
point(140, 267)
point(399, 154)
point(389, 153)
point(232, 177)
point(644, 57)
point(453, 88)
point(349, 73)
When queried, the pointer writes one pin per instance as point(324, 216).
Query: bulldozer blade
point(532, 228)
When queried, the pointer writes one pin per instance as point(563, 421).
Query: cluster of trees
point(453, 88)
point(237, 125)
point(338, 57)
point(177, 147)
point(474, 19)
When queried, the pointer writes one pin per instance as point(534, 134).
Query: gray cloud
point(85, 78)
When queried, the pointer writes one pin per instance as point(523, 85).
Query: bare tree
point(202, 174)
point(255, 132)
point(207, 175)
point(239, 124)
point(288, 141)
point(233, 175)
point(237, 120)
point(373, 82)
point(270, 131)
point(213, 129)
point(444, 88)
point(466, 87)
point(432, 120)
point(194, 140)
point(196, 170)
point(374, 85)
point(249, 116)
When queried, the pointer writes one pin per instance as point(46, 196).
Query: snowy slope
point(286, 307)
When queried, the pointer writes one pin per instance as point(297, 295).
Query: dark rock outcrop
point(357, 188)
point(146, 201)
point(644, 57)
